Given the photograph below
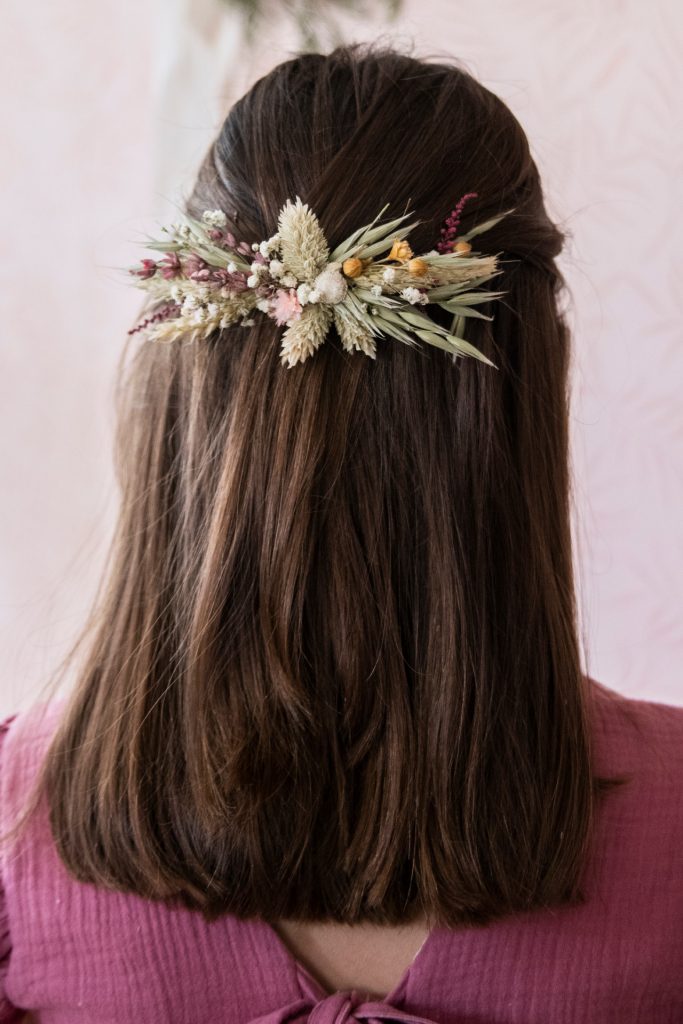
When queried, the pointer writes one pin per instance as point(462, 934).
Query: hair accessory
point(372, 284)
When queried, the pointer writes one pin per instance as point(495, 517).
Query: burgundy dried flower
point(450, 228)
point(148, 269)
point(171, 309)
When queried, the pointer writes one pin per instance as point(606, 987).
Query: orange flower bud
point(352, 267)
point(417, 266)
point(400, 251)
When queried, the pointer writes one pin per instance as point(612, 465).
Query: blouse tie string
point(339, 1008)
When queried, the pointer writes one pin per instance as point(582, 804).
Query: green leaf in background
point(309, 16)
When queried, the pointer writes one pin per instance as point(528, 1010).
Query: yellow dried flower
point(352, 267)
point(462, 247)
point(400, 251)
point(417, 266)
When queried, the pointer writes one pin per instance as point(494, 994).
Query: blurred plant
point(314, 18)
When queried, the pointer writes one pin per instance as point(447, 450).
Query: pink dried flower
point(224, 238)
point(236, 282)
point(197, 268)
point(285, 306)
point(170, 266)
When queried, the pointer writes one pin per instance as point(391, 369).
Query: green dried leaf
point(487, 224)
point(376, 300)
point(454, 307)
point(340, 251)
point(476, 298)
point(450, 342)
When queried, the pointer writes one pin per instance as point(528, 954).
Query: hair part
point(334, 672)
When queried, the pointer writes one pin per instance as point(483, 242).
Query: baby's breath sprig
point(372, 284)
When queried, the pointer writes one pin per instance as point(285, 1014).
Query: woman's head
point(334, 671)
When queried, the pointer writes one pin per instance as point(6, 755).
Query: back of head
point(335, 671)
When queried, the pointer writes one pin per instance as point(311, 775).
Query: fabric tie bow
point(340, 1008)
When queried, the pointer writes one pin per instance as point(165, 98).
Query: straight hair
point(333, 671)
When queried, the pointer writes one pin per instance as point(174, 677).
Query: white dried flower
point(212, 309)
point(176, 293)
point(252, 281)
point(276, 268)
point(214, 218)
point(313, 295)
point(376, 289)
point(190, 303)
point(289, 280)
point(331, 285)
point(198, 316)
point(182, 230)
point(414, 296)
point(303, 245)
point(263, 304)
point(303, 293)
point(232, 267)
point(389, 274)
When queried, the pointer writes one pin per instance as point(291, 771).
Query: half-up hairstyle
point(334, 670)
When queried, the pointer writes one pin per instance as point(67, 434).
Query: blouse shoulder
point(8, 1012)
point(644, 734)
point(642, 740)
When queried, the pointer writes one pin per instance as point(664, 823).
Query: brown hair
point(334, 672)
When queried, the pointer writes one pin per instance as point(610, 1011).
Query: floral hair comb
point(372, 284)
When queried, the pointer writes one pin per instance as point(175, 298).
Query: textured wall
point(106, 111)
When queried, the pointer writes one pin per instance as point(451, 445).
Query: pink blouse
point(72, 952)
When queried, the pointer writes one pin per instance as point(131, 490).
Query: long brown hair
point(334, 672)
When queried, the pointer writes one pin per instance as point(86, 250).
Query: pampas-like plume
point(302, 243)
point(305, 335)
point(352, 335)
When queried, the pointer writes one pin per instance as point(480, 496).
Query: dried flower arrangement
point(370, 285)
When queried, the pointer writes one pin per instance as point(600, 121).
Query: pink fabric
point(74, 953)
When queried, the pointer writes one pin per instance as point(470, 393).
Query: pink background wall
point(106, 111)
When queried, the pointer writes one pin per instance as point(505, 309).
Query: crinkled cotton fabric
point(72, 952)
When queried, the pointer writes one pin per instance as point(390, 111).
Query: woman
point(331, 754)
